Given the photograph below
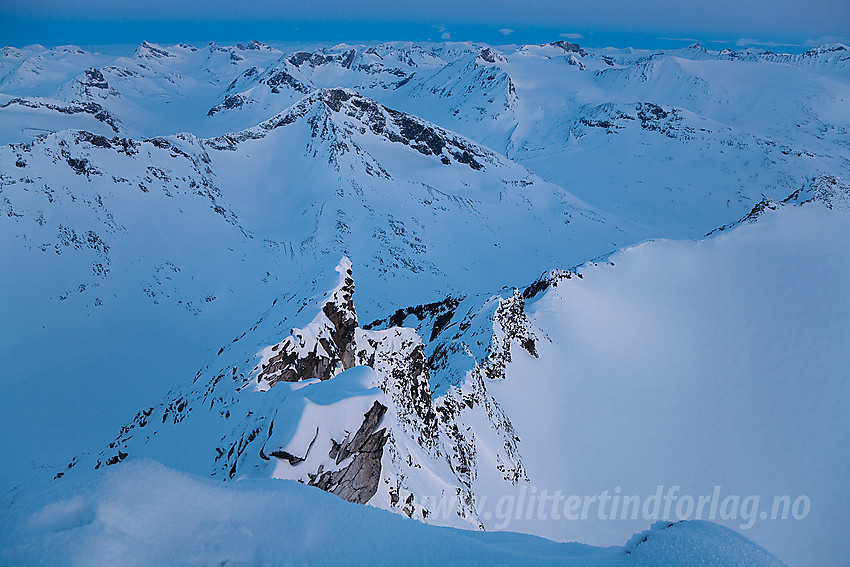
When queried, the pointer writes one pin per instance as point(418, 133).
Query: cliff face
point(351, 411)
point(416, 431)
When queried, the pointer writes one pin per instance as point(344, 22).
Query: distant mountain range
point(398, 272)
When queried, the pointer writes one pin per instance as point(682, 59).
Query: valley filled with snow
point(495, 294)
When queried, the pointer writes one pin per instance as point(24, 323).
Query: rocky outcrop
point(321, 350)
point(569, 47)
point(650, 117)
point(278, 79)
point(358, 481)
point(95, 110)
point(344, 59)
point(403, 128)
point(829, 190)
point(94, 79)
point(321, 108)
point(398, 357)
point(255, 45)
point(152, 51)
point(491, 56)
point(421, 432)
point(510, 326)
point(407, 448)
point(230, 102)
point(758, 210)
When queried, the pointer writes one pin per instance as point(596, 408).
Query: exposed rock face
point(94, 79)
point(509, 325)
point(757, 211)
point(830, 190)
point(280, 78)
point(421, 431)
point(96, 110)
point(651, 117)
point(833, 192)
point(254, 45)
point(490, 56)
point(569, 47)
point(230, 102)
point(321, 351)
point(327, 109)
point(399, 358)
point(408, 447)
point(575, 62)
point(318, 59)
point(357, 482)
point(277, 79)
point(399, 127)
point(149, 51)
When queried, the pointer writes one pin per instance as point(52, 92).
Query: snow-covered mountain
point(418, 276)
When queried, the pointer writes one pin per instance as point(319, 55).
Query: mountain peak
point(368, 116)
point(255, 45)
point(152, 51)
point(489, 55)
point(826, 48)
point(320, 58)
point(569, 47)
point(324, 347)
point(335, 97)
point(93, 78)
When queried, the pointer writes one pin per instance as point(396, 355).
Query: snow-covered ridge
point(832, 192)
point(183, 210)
point(369, 428)
point(327, 109)
point(312, 391)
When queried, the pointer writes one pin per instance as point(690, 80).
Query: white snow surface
point(173, 217)
point(716, 362)
point(142, 513)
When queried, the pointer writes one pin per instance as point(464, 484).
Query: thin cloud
point(443, 33)
point(825, 40)
point(572, 36)
point(692, 40)
point(506, 31)
point(748, 41)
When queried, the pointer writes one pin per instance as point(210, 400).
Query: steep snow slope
point(721, 362)
point(122, 268)
point(438, 209)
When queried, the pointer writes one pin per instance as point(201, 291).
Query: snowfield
point(494, 293)
point(145, 514)
point(716, 362)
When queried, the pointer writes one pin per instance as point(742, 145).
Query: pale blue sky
point(787, 25)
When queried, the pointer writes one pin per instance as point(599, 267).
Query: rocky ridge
point(402, 429)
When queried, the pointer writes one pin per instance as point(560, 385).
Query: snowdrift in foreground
point(115, 519)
